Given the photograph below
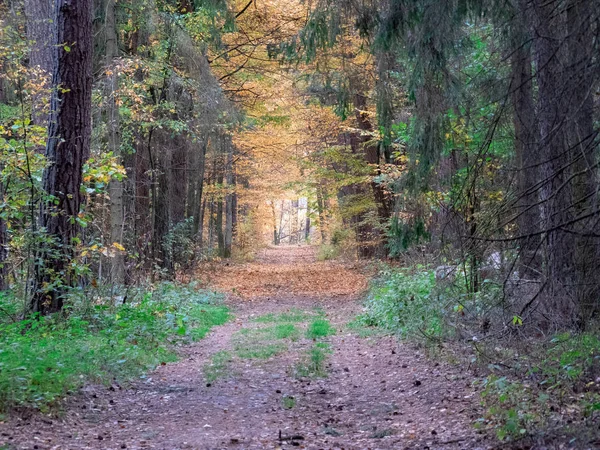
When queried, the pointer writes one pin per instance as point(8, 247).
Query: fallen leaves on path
point(291, 271)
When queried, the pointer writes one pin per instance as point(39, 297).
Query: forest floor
point(275, 377)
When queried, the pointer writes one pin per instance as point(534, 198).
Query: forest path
point(254, 382)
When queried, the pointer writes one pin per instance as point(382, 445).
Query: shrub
point(404, 302)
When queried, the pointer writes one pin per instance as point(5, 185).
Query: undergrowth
point(43, 359)
point(534, 388)
point(404, 302)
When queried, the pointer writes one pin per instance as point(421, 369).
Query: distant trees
point(471, 123)
point(497, 125)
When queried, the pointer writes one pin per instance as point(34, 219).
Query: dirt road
point(286, 372)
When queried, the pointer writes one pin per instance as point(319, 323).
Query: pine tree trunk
point(229, 203)
point(179, 175)
point(556, 162)
point(69, 134)
point(582, 74)
point(161, 210)
point(115, 188)
point(219, 220)
point(3, 244)
point(40, 34)
point(196, 187)
point(524, 123)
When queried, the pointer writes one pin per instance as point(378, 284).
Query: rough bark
point(160, 204)
point(69, 134)
point(3, 244)
point(142, 182)
point(582, 76)
point(556, 161)
point(41, 37)
point(179, 175)
point(219, 220)
point(196, 186)
point(525, 140)
point(228, 240)
point(372, 157)
point(115, 188)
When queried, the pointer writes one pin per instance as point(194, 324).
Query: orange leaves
point(289, 271)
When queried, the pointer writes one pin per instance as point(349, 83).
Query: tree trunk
point(321, 212)
point(524, 123)
point(201, 224)
point(69, 134)
point(229, 202)
point(196, 186)
point(219, 220)
point(161, 210)
point(3, 243)
point(142, 184)
point(178, 175)
point(556, 161)
point(372, 157)
point(115, 188)
point(41, 37)
point(582, 76)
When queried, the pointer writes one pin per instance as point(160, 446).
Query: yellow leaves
point(118, 246)
point(496, 196)
point(96, 250)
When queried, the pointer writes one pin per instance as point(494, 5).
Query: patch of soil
point(378, 394)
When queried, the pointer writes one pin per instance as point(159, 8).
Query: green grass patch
point(293, 316)
point(44, 359)
point(288, 402)
point(286, 331)
point(363, 331)
point(218, 366)
point(279, 331)
point(312, 365)
point(260, 343)
point(319, 328)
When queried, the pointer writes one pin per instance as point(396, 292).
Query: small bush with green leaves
point(404, 302)
point(42, 359)
point(327, 252)
point(566, 369)
point(508, 406)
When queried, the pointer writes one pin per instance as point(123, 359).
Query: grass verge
point(42, 360)
point(537, 389)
